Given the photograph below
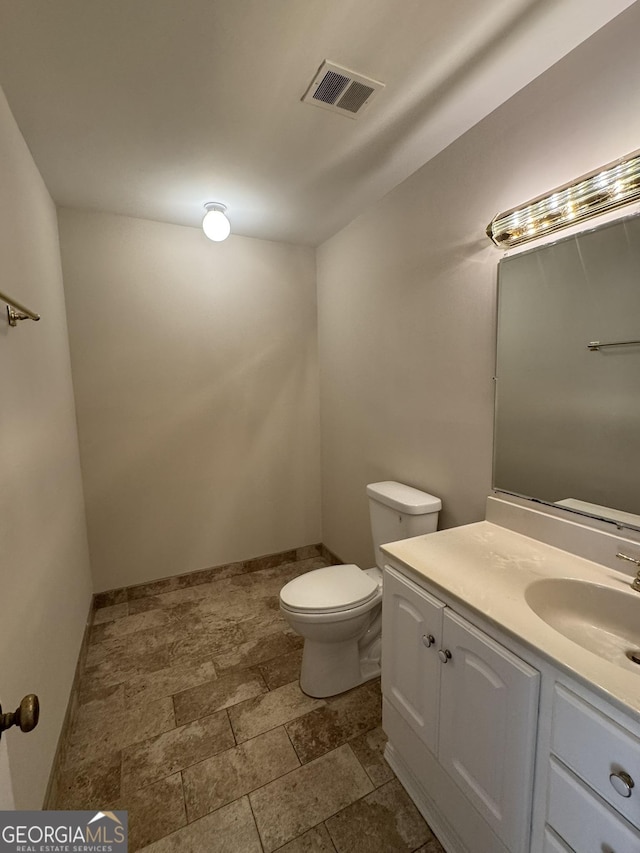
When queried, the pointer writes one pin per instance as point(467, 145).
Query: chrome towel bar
point(594, 346)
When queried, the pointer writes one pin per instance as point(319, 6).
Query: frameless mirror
point(567, 425)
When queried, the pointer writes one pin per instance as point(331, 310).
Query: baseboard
point(200, 576)
point(330, 556)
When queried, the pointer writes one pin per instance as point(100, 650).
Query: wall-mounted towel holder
point(594, 346)
point(16, 311)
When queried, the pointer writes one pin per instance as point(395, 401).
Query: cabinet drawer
point(584, 821)
point(594, 746)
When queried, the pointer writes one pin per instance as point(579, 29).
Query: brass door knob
point(25, 717)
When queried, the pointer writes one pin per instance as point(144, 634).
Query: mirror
point(567, 425)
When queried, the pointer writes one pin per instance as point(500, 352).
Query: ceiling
point(150, 108)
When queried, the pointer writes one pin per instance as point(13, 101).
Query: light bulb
point(215, 224)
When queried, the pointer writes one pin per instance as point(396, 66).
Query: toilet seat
point(329, 590)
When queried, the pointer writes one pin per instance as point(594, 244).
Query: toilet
point(338, 609)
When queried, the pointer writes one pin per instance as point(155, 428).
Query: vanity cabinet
point(467, 719)
point(472, 703)
point(523, 740)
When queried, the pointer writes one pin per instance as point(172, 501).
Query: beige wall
point(46, 586)
point(406, 293)
point(195, 375)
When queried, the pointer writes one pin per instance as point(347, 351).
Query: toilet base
point(332, 668)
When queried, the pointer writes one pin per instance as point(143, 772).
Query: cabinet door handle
point(622, 783)
point(428, 640)
point(444, 655)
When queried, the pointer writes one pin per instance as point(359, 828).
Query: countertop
point(487, 568)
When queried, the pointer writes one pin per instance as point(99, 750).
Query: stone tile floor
point(190, 717)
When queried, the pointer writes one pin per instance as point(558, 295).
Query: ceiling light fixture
point(215, 224)
point(604, 189)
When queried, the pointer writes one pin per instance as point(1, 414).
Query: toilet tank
point(399, 512)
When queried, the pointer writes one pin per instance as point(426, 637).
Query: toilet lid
point(331, 588)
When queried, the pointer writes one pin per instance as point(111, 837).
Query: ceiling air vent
point(340, 90)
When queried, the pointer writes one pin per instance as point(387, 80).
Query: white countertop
point(487, 568)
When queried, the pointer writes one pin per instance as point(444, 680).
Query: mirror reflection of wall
point(568, 418)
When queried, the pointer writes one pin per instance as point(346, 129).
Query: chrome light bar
point(604, 189)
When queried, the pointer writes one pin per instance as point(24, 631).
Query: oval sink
point(604, 620)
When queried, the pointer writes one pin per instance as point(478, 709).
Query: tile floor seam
point(184, 799)
point(255, 822)
point(233, 734)
point(173, 711)
point(292, 743)
point(344, 809)
point(311, 828)
point(254, 665)
point(354, 737)
point(362, 796)
point(335, 846)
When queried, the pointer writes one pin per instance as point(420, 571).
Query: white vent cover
point(341, 91)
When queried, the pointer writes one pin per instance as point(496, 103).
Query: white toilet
point(338, 609)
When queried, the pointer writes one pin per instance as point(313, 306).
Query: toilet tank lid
point(404, 498)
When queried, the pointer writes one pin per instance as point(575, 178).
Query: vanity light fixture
point(604, 189)
point(215, 224)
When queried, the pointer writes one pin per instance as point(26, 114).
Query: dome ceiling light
point(215, 224)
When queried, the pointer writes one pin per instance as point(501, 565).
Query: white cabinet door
point(410, 665)
point(489, 701)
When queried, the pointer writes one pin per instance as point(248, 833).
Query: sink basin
point(604, 620)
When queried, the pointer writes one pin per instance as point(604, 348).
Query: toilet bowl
point(335, 609)
point(338, 609)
